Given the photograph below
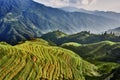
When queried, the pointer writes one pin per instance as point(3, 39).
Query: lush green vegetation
point(105, 55)
point(36, 60)
point(84, 37)
point(102, 51)
point(27, 19)
point(114, 75)
point(98, 49)
point(40, 59)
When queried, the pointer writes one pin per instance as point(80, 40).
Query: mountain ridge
point(116, 31)
point(83, 37)
point(107, 14)
point(34, 19)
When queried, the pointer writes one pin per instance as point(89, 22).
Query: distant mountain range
point(107, 14)
point(116, 31)
point(74, 9)
point(26, 19)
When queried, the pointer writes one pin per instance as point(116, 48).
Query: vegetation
point(115, 74)
point(36, 60)
point(81, 56)
point(102, 51)
point(98, 49)
point(84, 37)
point(105, 55)
point(27, 19)
point(116, 31)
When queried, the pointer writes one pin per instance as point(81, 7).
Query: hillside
point(54, 35)
point(84, 37)
point(116, 31)
point(26, 19)
point(106, 51)
point(105, 55)
point(115, 75)
point(35, 59)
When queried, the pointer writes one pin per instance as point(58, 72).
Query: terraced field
point(105, 55)
point(102, 51)
point(36, 60)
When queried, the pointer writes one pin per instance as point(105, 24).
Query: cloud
point(103, 5)
point(63, 3)
point(54, 3)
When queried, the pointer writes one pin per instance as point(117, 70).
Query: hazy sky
point(105, 5)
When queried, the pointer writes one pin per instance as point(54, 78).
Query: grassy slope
point(103, 54)
point(101, 51)
point(33, 60)
point(84, 37)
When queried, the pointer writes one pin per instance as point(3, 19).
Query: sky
point(102, 5)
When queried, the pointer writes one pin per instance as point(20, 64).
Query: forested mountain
point(26, 19)
point(84, 37)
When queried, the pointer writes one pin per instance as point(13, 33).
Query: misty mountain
point(26, 19)
point(116, 31)
point(107, 14)
point(74, 9)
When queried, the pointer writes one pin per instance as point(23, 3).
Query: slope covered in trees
point(105, 55)
point(26, 19)
point(84, 37)
point(101, 51)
